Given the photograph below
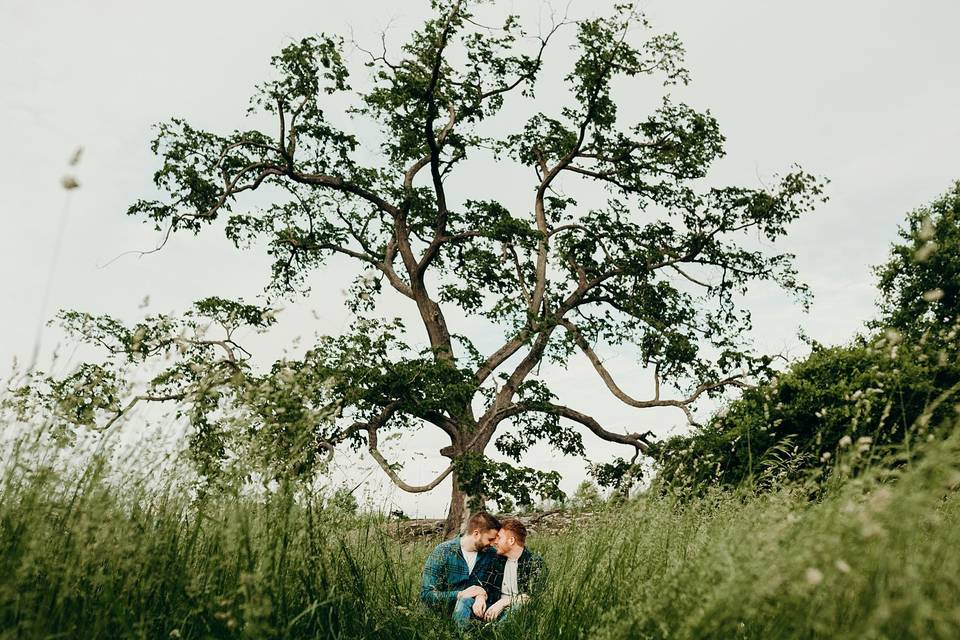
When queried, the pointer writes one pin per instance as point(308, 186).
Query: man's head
point(512, 536)
point(482, 529)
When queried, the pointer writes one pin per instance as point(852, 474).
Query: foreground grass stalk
point(874, 557)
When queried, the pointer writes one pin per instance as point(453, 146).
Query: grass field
point(874, 557)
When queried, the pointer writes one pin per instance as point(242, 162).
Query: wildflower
point(871, 529)
point(842, 566)
point(953, 481)
point(933, 295)
point(814, 576)
point(880, 498)
point(825, 456)
point(893, 336)
point(846, 441)
point(924, 252)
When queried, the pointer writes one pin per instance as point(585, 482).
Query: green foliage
point(619, 474)
point(877, 391)
point(587, 497)
point(485, 479)
point(920, 284)
point(271, 421)
point(875, 558)
point(864, 397)
point(343, 501)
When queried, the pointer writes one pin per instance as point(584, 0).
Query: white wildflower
point(923, 253)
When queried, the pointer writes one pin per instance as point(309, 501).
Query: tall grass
point(876, 557)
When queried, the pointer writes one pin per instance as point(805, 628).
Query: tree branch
point(683, 404)
point(636, 440)
point(371, 428)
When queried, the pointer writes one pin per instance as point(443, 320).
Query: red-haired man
point(513, 577)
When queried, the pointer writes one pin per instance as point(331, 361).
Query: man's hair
point(516, 528)
point(483, 521)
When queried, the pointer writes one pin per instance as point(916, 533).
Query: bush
point(874, 393)
point(868, 396)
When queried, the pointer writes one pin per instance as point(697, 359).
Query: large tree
point(657, 262)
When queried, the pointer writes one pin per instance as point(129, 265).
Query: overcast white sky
point(864, 92)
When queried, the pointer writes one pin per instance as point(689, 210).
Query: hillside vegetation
point(874, 557)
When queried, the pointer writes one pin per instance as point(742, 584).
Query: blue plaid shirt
point(446, 573)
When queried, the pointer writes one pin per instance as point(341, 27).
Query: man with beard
point(513, 577)
point(452, 573)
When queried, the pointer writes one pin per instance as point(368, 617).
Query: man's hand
point(493, 612)
point(471, 592)
point(480, 605)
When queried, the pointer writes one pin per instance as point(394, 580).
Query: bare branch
point(425, 160)
point(638, 441)
point(136, 400)
point(682, 404)
point(371, 428)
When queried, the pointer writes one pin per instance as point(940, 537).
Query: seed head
point(814, 576)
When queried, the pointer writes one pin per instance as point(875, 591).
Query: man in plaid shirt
point(452, 573)
point(515, 575)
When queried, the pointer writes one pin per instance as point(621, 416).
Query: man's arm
point(480, 604)
point(493, 611)
point(433, 589)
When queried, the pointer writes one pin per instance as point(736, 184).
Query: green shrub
point(867, 396)
point(873, 393)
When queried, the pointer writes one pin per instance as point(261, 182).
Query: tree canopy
point(656, 264)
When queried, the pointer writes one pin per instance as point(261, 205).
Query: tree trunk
point(457, 514)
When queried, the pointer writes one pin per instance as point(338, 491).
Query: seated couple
point(484, 573)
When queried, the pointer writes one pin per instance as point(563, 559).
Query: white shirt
point(469, 556)
point(509, 587)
